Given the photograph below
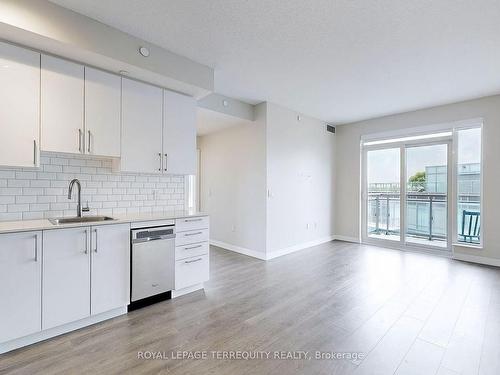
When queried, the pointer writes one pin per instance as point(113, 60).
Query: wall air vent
point(330, 128)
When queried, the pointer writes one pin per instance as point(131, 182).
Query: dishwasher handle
point(153, 238)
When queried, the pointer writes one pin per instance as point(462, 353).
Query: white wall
point(293, 159)
point(348, 164)
point(300, 179)
point(233, 185)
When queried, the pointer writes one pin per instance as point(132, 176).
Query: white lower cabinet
point(66, 276)
point(55, 277)
point(191, 236)
point(86, 271)
point(20, 284)
point(192, 263)
point(191, 250)
point(110, 285)
point(191, 271)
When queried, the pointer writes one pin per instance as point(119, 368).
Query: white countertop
point(45, 224)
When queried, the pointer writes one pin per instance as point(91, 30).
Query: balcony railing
point(426, 213)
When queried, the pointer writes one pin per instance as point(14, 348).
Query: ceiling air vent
point(330, 128)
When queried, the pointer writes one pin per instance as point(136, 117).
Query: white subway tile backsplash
point(77, 162)
point(52, 168)
point(26, 199)
point(7, 174)
point(40, 183)
point(24, 175)
point(54, 191)
point(18, 207)
point(5, 199)
point(35, 215)
point(11, 216)
point(11, 191)
point(47, 199)
point(46, 175)
point(59, 206)
point(70, 169)
point(58, 161)
point(29, 195)
point(18, 183)
point(39, 207)
point(31, 191)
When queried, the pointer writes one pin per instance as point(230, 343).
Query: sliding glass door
point(406, 193)
point(383, 200)
point(426, 214)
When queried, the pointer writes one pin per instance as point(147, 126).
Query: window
point(190, 192)
point(407, 139)
point(468, 176)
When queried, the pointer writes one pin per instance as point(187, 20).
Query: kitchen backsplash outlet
point(27, 194)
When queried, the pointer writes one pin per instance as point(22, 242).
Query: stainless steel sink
point(83, 219)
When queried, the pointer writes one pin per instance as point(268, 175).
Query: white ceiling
point(337, 60)
point(208, 121)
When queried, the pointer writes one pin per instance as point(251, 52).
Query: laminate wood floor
point(407, 313)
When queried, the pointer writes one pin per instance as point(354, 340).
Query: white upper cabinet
point(110, 267)
point(179, 133)
point(102, 113)
point(62, 105)
point(141, 127)
point(56, 105)
point(66, 276)
point(20, 106)
point(20, 284)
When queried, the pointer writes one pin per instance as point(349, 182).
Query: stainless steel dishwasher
point(153, 265)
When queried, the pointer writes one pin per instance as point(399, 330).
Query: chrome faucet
point(79, 208)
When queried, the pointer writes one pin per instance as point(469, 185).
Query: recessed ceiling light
point(144, 51)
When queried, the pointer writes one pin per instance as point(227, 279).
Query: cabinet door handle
point(80, 140)
point(192, 261)
point(192, 234)
point(88, 148)
point(34, 152)
point(161, 161)
point(95, 249)
point(86, 241)
point(192, 247)
point(36, 247)
point(190, 220)
point(166, 163)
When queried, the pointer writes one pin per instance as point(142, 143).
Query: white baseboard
point(301, 246)
point(238, 249)
point(477, 259)
point(346, 238)
point(273, 254)
point(56, 331)
point(189, 289)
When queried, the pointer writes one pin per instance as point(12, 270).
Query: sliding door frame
point(402, 243)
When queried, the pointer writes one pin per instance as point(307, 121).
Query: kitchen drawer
point(192, 236)
point(191, 271)
point(190, 223)
point(191, 250)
